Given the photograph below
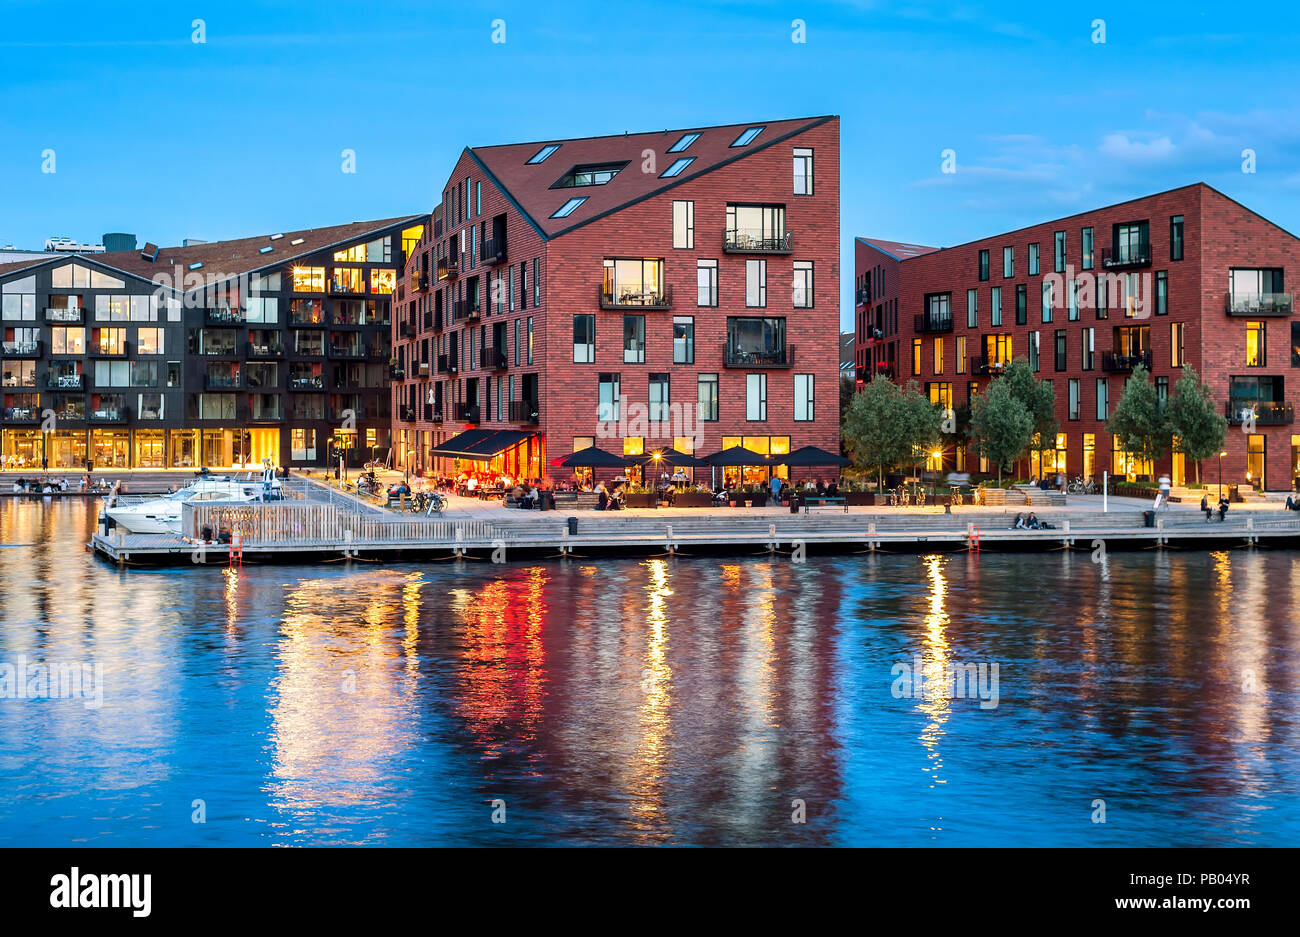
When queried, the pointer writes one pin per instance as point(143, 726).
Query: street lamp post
point(1222, 453)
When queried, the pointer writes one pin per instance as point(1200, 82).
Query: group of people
point(527, 494)
point(1222, 507)
point(52, 485)
point(1030, 521)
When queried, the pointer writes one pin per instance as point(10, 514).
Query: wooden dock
point(310, 530)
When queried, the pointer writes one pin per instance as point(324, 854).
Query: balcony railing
point(218, 351)
point(397, 374)
point(493, 359)
point(65, 381)
point(928, 324)
point(223, 316)
point(406, 329)
point(21, 415)
point(467, 412)
point(266, 414)
point(70, 415)
point(314, 382)
point(437, 320)
point(115, 349)
point(1114, 361)
point(347, 351)
point(1264, 412)
point(734, 357)
point(418, 281)
point(1258, 304)
point(757, 242)
point(983, 365)
point(448, 269)
point(862, 298)
point(221, 381)
point(446, 364)
point(258, 350)
point(524, 411)
point(661, 298)
point(1119, 258)
point(422, 369)
point(406, 414)
point(338, 286)
point(435, 416)
point(74, 316)
point(109, 415)
point(466, 309)
point(314, 318)
point(493, 250)
point(21, 349)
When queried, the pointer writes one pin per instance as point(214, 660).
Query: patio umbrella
point(737, 456)
point(812, 455)
point(591, 457)
point(671, 457)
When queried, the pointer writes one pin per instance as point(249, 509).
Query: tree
point(1194, 420)
point(847, 391)
point(1039, 399)
point(1001, 424)
point(884, 424)
point(1140, 421)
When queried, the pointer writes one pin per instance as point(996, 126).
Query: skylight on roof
point(297, 241)
point(686, 140)
point(195, 266)
point(746, 138)
point(276, 237)
point(567, 209)
point(265, 250)
point(592, 174)
point(676, 168)
point(540, 155)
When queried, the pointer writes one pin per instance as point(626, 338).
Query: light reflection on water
point(682, 701)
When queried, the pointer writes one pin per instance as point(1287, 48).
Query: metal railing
point(734, 357)
point(620, 298)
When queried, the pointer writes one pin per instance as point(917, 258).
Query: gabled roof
point(16, 265)
point(898, 249)
point(529, 185)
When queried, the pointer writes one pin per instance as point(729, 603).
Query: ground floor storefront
point(101, 448)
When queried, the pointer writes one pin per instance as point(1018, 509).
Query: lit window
point(747, 137)
point(544, 152)
point(677, 167)
point(568, 208)
point(682, 144)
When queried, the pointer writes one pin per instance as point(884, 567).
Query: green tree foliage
point(1194, 420)
point(1038, 398)
point(1001, 425)
point(1140, 421)
point(886, 425)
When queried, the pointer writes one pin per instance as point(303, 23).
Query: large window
point(634, 339)
point(584, 339)
point(760, 227)
point(1008, 262)
point(608, 407)
point(803, 171)
point(1132, 242)
point(804, 397)
point(1256, 344)
point(660, 398)
point(803, 284)
point(1048, 300)
point(633, 282)
point(707, 396)
point(1072, 411)
point(756, 283)
point(308, 279)
point(18, 299)
point(995, 306)
point(753, 340)
point(755, 397)
point(683, 340)
point(683, 224)
point(706, 280)
point(1103, 399)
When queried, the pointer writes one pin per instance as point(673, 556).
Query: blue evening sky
point(156, 135)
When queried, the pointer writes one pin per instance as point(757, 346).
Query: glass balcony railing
point(636, 296)
point(1258, 304)
point(742, 356)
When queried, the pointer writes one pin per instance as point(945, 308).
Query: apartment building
point(672, 288)
point(1187, 276)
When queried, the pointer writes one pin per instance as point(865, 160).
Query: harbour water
point(683, 701)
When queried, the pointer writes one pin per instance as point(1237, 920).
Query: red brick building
point(1184, 276)
point(633, 292)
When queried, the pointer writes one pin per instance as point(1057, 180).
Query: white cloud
point(1121, 146)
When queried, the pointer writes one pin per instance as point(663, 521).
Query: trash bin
point(1234, 494)
point(794, 505)
point(573, 526)
point(1148, 518)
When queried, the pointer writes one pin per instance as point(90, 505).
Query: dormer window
point(592, 174)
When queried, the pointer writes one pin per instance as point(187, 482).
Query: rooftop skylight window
point(676, 168)
point(569, 207)
point(685, 142)
point(540, 155)
point(746, 138)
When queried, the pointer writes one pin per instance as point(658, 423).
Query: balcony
point(346, 351)
point(66, 316)
point(493, 250)
point(21, 415)
point(435, 416)
point(446, 364)
point(636, 299)
point(65, 381)
point(339, 414)
point(758, 357)
point(467, 412)
point(221, 381)
point(267, 413)
point(493, 359)
point(756, 242)
point(70, 415)
point(1126, 258)
point(524, 411)
point(862, 298)
point(347, 289)
point(983, 366)
point(448, 269)
point(406, 329)
point(417, 281)
point(255, 350)
point(116, 349)
point(396, 374)
point(310, 383)
point(466, 309)
point(1258, 304)
point(223, 316)
point(1113, 361)
point(928, 324)
point(437, 320)
point(219, 351)
point(1264, 412)
point(110, 414)
point(422, 369)
point(21, 349)
point(310, 319)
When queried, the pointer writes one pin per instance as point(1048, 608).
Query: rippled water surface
point(682, 701)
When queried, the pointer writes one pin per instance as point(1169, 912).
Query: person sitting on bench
point(1205, 506)
point(1223, 507)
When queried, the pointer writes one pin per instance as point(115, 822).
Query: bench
point(823, 501)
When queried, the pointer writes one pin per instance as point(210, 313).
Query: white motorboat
point(162, 515)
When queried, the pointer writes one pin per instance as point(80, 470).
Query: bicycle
point(436, 503)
